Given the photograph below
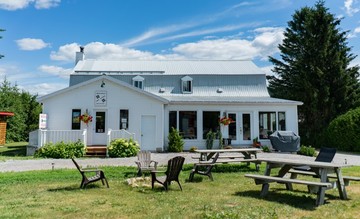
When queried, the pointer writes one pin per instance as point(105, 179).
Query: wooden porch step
point(96, 150)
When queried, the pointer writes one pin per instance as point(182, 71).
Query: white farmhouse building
point(146, 98)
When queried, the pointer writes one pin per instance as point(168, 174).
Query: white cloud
point(105, 51)
point(349, 7)
point(55, 70)
point(12, 5)
point(354, 33)
point(45, 4)
point(65, 52)
point(31, 44)
point(265, 43)
point(44, 88)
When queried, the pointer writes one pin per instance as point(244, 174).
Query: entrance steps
point(96, 150)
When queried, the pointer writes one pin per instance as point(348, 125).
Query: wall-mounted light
point(102, 83)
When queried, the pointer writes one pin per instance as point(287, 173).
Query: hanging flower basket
point(86, 118)
point(225, 120)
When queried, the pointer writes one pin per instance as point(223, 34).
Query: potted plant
point(256, 142)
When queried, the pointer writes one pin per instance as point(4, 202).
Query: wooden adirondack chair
point(171, 174)
point(145, 163)
point(99, 175)
point(204, 168)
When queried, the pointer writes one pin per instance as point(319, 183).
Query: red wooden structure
point(3, 117)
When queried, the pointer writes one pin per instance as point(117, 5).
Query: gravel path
point(162, 158)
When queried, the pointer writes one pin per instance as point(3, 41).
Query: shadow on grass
point(13, 151)
point(283, 196)
point(74, 188)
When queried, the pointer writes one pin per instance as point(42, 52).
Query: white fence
point(40, 137)
point(114, 134)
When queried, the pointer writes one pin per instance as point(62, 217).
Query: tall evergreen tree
point(315, 68)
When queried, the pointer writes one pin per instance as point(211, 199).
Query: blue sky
point(42, 36)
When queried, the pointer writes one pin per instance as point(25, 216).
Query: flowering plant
point(225, 120)
point(86, 118)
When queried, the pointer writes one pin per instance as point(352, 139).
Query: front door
point(148, 132)
point(240, 128)
point(99, 135)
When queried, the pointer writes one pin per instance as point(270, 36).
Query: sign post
point(42, 121)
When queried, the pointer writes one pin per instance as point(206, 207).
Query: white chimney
point(79, 55)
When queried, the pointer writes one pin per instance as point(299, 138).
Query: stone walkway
point(162, 158)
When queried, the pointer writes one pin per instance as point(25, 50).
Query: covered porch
point(40, 137)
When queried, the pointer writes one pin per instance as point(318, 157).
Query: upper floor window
point(186, 84)
point(138, 82)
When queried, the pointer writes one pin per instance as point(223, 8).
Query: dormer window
point(138, 82)
point(186, 84)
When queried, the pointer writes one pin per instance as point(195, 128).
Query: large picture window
point(187, 124)
point(75, 119)
point(210, 122)
point(267, 124)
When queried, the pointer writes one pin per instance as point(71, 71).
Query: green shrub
point(210, 136)
point(61, 150)
point(265, 148)
point(343, 132)
point(176, 143)
point(193, 149)
point(122, 147)
point(307, 151)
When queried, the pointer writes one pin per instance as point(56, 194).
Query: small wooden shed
point(3, 117)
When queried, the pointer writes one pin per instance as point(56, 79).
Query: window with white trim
point(186, 84)
point(138, 82)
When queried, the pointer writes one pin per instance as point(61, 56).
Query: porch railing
point(114, 134)
point(40, 137)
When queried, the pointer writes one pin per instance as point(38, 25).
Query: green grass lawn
point(56, 194)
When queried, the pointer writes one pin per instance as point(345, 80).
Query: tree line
point(26, 110)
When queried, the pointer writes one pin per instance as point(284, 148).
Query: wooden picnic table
point(321, 169)
point(249, 155)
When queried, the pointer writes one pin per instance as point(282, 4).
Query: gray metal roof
point(167, 67)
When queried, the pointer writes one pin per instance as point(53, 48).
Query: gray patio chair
point(145, 163)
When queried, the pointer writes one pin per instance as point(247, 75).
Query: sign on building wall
point(42, 121)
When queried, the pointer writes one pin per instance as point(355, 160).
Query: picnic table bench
point(347, 179)
point(321, 169)
point(265, 180)
point(208, 158)
point(248, 155)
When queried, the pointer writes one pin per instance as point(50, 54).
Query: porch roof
point(2, 113)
